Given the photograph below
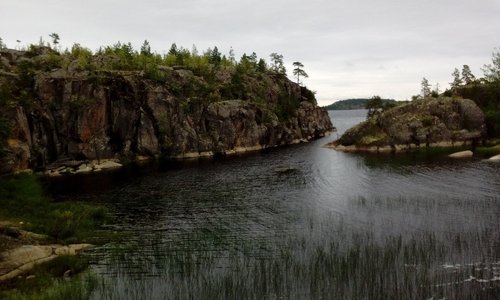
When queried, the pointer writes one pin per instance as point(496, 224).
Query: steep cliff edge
point(425, 122)
point(54, 109)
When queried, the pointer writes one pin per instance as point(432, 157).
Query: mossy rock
point(420, 122)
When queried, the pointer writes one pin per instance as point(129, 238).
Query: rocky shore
point(21, 250)
point(441, 122)
point(20, 260)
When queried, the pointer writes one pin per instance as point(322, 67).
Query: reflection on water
point(299, 222)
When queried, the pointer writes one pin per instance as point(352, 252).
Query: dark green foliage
point(374, 106)
point(47, 283)
point(173, 49)
point(4, 135)
point(299, 71)
point(22, 198)
point(492, 118)
point(215, 57)
point(81, 57)
point(55, 38)
point(492, 71)
point(277, 65)
point(487, 97)
point(287, 105)
point(262, 66)
point(146, 49)
point(308, 95)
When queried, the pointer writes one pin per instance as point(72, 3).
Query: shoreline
point(72, 167)
point(492, 147)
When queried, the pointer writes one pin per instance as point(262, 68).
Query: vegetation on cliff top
point(224, 77)
point(484, 91)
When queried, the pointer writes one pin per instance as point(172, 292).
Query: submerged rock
point(426, 122)
point(495, 158)
point(462, 154)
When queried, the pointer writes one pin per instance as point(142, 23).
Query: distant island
point(354, 104)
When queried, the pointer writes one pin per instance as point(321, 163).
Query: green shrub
point(287, 105)
point(492, 118)
point(62, 224)
point(47, 283)
point(4, 135)
point(22, 199)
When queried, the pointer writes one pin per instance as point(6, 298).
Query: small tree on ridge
point(299, 71)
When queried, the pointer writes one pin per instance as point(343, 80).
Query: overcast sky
point(350, 48)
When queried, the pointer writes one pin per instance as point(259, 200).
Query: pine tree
point(55, 38)
point(146, 48)
point(299, 71)
point(374, 105)
point(457, 81)
point(492, 71)
point(467, 76)
point(426, 88)
point(173, 49)
point(277, 65)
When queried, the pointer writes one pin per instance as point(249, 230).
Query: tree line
point(491, 74)
point(125, 57)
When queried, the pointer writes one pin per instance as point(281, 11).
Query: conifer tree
point(457, 81)
point(492, 71)
point(426, 88)
point(277, 65)
point(467, 76)
point(299, 71)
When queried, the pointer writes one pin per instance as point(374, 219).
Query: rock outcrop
point(495, 158)
point(462, 154)
point(65, 114)
point(22, 259)
point(425, 122)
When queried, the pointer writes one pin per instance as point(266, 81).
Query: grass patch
point(46, 281)
point(22, 201)
point(487, 152)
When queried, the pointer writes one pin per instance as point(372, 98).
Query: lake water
point(299, 222)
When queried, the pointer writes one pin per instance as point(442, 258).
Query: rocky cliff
point(425, 122)
point(53, 111)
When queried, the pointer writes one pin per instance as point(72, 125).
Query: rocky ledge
point(20, 260)
point(55, 112)
point(431, 122)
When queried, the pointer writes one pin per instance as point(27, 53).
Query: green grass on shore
point(23, 203)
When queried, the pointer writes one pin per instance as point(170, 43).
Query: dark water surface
point(299, 222)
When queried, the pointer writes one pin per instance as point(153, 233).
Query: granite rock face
point(422, 122)
point(81, 115)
